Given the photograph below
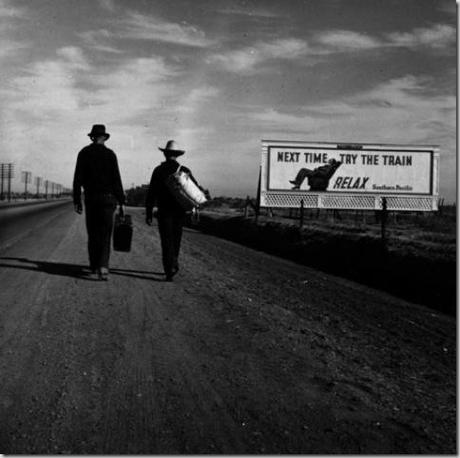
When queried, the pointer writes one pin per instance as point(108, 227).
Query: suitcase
point(184, 190)
point(122, 233)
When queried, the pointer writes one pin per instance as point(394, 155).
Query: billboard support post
point(383, 221)
point(258, 194)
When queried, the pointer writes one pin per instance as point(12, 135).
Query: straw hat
point(171, 149)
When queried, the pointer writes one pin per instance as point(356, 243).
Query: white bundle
point(185, 191)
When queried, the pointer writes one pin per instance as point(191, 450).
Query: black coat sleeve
point(118, 186)
point(152, 194)
point(78, 180)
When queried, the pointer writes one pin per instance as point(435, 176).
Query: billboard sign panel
point(302, 168)
point(338, 170)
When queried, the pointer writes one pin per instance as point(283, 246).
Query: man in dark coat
point(318, 179)
point(170, 214)
point(97, 172)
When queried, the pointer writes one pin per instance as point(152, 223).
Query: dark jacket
point(319, 178)
point(158, 195)
point(97, 172)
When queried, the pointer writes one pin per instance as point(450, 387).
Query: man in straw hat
point(97, 172)
point(170, 214)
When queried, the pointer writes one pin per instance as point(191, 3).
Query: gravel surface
point(243, 353)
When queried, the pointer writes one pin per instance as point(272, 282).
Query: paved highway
point(243, 353)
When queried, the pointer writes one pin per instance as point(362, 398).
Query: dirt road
point(243, 353)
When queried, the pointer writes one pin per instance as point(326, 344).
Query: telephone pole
point(26, 179)
point(6, 173)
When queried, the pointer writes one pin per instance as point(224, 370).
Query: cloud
point(11, 47)
point(95, 36)
point(46, 90)
point(250, 12)
point(448, 7)
point(438, 36)
point(69, 87)
point(108, 5)
point(140, 27)
point(197, 97)
point(135, 26)
point(397, 111)
point(55, 101)
point(7, 10)
point(248, 60)
point(100, 40)
point(132, 89)
point(107, 49)
point(9, 15)
point(73, 56)
point(345, 40)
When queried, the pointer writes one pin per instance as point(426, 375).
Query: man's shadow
point(73, 270)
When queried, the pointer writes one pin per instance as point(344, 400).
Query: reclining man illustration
point(318, 179)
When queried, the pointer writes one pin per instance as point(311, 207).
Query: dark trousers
point(99, 225)
point(301, 175)
point(170, 228)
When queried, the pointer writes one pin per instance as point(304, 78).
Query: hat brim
point(107, 136)
point(172, 152)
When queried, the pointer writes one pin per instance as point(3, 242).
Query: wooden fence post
point(2, 175)
point(440, 205)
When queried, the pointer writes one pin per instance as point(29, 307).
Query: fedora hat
point(98, 130)
point(171, 149)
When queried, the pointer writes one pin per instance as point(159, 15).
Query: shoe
point(175, 270)
point(293, 182)
point(103, 274)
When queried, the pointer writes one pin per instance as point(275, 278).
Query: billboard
point(337, 174)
